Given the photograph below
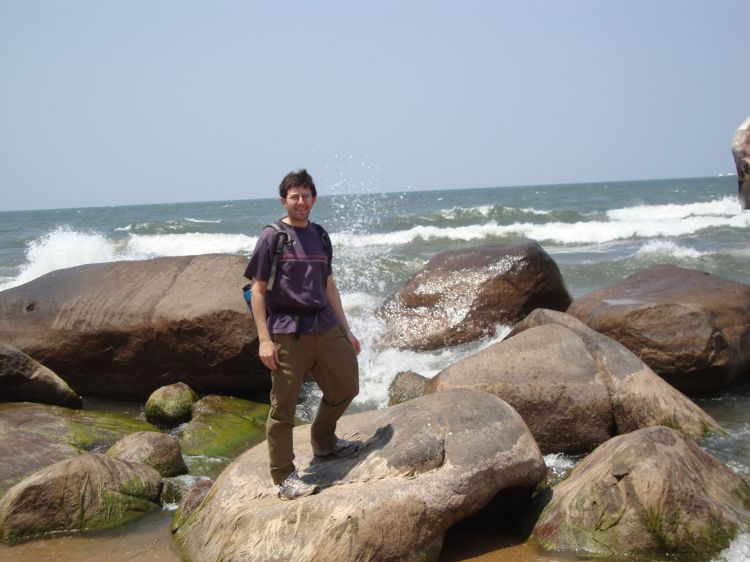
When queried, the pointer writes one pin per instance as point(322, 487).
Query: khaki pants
point(333, 362)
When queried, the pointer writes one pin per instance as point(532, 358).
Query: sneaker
point(341, 449)
point(294, 487)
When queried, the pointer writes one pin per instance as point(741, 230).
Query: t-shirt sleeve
point(259, 266)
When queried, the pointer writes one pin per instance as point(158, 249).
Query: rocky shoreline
point(609, 376)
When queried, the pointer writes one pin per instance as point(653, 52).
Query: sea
point(597, 233)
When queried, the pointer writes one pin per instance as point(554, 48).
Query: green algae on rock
point(171, 405)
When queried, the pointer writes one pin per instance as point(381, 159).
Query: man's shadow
point(326, 471)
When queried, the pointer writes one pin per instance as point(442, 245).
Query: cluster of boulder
point(607, 376)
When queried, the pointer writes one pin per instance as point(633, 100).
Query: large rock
point(127, 328)
point(647, 492)
point(84, 429)
point(22, 453)
point(171, 405)
point(425, 465)
point(157, 450)
point(741, 153)
point(90, 491)
point(574, 387)
point(690, 327)
point(462, 295)
point(24, 380)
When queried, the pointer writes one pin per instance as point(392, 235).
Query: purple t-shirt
point(298, 300)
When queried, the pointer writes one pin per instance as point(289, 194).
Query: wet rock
point(87, 492)
point(574, 387)
point(425, 464)
point(22, 453)
point(690, 327)
point(24, 380)
point(190, 502)
point(157, 450)
point(462, 295)
point(171, 405)
point(648, 492)
point(84, 429)
point(222, 427)
point(406, 386)
point(124, 329)
point(741, 153)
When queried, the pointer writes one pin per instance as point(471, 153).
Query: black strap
point(282, 237)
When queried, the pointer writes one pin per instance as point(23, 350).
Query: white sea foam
point(737, 551)
point(195, 243)
point(202, 220)
point(666, 248)
point(65, 247)
point(61, 248)
point(632, 222)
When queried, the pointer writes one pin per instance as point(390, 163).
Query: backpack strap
point(282, 237)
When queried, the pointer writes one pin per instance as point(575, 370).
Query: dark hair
point(300, 178)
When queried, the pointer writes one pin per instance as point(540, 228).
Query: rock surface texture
point(171, 405)
point(90, 491)
point(690, 327)
point(647, 492)
point(24, 380)
point(425, 465)
point(741, 153)
point(127, 328)
point(157, 450)
point(574, 387)
point(462, 295)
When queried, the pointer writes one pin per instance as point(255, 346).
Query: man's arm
point(334, 299)
point(266, 349)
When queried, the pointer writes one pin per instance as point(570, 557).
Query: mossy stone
point(171, 405)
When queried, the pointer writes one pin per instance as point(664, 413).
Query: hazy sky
point(107, 102)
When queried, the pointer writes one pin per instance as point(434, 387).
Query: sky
point(106, 102)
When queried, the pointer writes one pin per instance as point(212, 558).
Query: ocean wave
point(65, 247)
point(724, 207)
point(666, 249)
point(199, 221)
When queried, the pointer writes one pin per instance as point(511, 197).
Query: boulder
point(648, 492)
point(83, 429)
point(222, 427)
point(574, 387)
point(24, 380)
point(424, 465)
point(123, 329)
point(741, 153)
point(462, 295)
point(190, 502)
point(90, 491)
point(157, 450)
point(171, 405)
point(406, 386)
point(22, 453)
point(690, 327)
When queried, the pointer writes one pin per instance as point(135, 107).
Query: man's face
point(298, 203)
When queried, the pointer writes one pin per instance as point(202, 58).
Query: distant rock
point(24, 380)
point(425, 465)
point(649, 492)
point(741, 153)
point(574, 387)
point(171, 405)
point(87, 492)
point(124, 329)
point(406, 386)
point(157, 450)
point(690, 327)
point(462, 295)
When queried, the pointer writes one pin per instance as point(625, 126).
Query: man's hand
point(268, 354)
point(353, 340)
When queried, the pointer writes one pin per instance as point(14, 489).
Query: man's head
point(300, 178)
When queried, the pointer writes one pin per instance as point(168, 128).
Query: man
point(302, 329)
